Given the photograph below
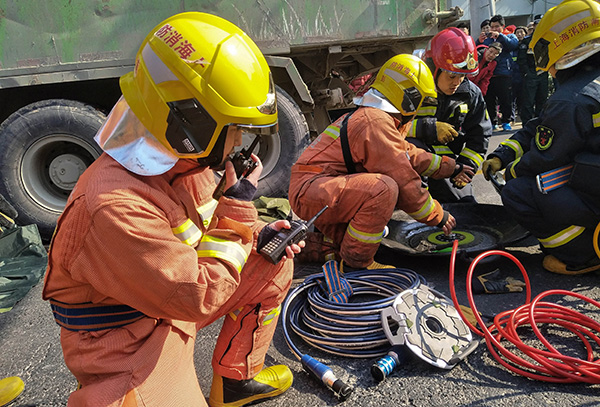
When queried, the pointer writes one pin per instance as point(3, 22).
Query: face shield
point(580, 53)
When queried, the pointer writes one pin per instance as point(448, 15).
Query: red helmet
point(452, 50)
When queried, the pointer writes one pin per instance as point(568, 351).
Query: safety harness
point(346, 145)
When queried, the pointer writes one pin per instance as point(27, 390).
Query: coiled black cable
point(350, 329)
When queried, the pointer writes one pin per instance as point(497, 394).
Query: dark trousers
point(499, 93)
point(533, 95)
point(546, 215)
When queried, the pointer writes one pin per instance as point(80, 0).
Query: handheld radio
point(243, 165)
point(275, 249)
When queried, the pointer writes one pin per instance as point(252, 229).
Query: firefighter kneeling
point(143, 256)
point(363, 168)
point(553, 163)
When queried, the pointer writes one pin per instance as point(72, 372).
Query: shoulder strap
point(346, 145)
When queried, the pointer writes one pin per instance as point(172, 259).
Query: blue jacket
point(504, 61)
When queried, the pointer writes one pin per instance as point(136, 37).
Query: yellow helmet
point(195, 74)
point(406, 82)
point(567, 34)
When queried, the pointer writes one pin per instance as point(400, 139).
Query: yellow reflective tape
point(188, 232)
point(364, 236)
point(472, 155)
point(207, 211)
point(515, 146)
point(332, 131)
point(512, 167)
point(563, 237)
point(442, 150)
point(425, 210)
point(270, 317)
point(596, 119)
point(223, 249)
point(413, 129)
point(427, 111)
point(464, 108)
point(436, 162)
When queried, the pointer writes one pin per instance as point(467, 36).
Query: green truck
point(60, 61)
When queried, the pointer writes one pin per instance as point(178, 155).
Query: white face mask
point(374, 98)
point(128, 142)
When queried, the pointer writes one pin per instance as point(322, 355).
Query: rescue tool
point(243, 164)
point(275, 249)
point(426, 323)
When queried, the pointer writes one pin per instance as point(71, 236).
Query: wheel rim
point(52, 165)
point(268, 150)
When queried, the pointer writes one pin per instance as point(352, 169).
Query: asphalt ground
point(30, 348)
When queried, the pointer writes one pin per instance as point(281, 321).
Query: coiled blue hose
point(350, 329)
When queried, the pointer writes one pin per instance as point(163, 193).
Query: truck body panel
point(60, 62)
point(48, 41)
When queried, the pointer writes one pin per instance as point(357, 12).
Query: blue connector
point(324, 374)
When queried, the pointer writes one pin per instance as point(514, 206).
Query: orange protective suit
point(361, 204)
point(162, 246)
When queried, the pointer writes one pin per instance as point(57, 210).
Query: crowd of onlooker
point(507, 76)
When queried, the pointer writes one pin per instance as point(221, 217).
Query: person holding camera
point(500, 89)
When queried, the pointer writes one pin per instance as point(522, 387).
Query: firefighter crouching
point(458, 126)
point(363, 167)
point(143, 256)
point(553, 163)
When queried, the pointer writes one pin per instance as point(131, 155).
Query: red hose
point(546, 364)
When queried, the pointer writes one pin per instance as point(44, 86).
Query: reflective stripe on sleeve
point(436, 162)
point(427, 111)
point(563, 237)
point(188, 233)
point(363, 236)
point(515, 146)
point(413, 129)
point(225, 250)
point(270, 317)
point(596, 119)
point(207, 211)
point(425, 210)
point(472, 155)
point(332, 131)
point(512, 167)
point(442, 150)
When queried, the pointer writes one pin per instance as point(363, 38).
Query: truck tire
point(44, 148)
point(280, 151)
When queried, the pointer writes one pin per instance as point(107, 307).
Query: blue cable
point(350, 329)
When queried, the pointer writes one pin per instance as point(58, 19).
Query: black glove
point(7, 214)
point(264, 236)
point(243, 190)
point(494, 283)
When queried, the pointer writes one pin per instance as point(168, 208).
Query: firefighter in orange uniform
point(143, 256)
point(363, 167)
